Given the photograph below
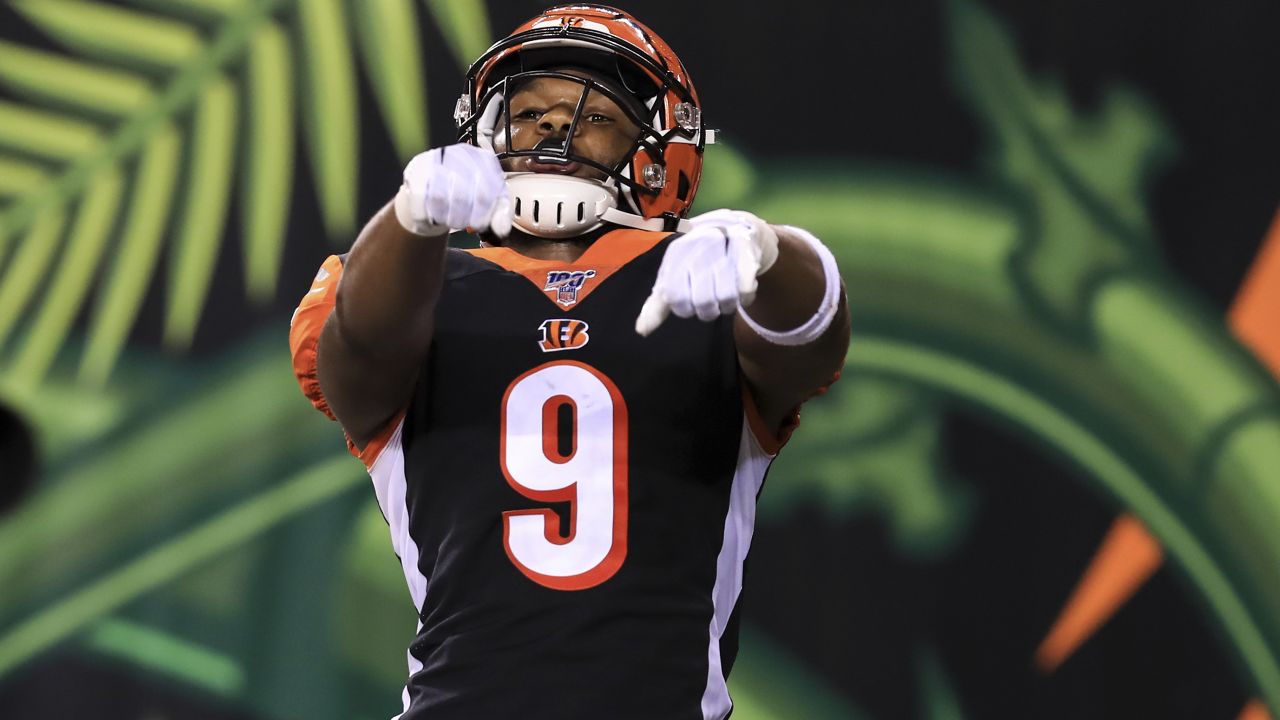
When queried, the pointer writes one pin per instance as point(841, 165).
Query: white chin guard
point(557, 206)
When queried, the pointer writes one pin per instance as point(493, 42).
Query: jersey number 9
point(564, 439)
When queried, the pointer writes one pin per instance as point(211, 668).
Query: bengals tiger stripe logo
point(563, 335)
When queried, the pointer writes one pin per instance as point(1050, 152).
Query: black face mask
point(555, 149)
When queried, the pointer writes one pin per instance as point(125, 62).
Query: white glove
point(711, 270)
point(454, 187)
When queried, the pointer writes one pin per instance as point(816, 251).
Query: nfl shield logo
point(566, 284)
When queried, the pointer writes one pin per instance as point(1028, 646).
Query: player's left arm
point(793, 336)
point(792, 324)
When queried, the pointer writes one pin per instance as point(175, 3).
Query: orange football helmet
point(659, 177)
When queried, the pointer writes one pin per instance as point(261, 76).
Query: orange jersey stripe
point(369, 455)
point(605, 256)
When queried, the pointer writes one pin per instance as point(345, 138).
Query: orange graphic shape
point(1255, 710)
point(1130, 555)
point(1255, 314)
point(1127, 558)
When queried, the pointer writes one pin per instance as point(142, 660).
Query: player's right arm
point(376, 338)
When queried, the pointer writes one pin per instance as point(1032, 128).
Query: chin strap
point(617, 217)
point(558, 206)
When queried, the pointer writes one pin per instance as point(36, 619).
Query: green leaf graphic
point(114, 487)
point(389, 42)
point(775, 684)
point(29, 266)
point(70, 83)
point(71, 282)
point(938, 696)
point(466, 27)
point(113, 33)
point(18, 177)
point(174, 68)
point(331, 118)
point(268, 160)
point(44, 134)
point(204, 9)
point(137, 256)
point(1082, 177)
point(166, 562)
point(165, 654)
point(204, 211)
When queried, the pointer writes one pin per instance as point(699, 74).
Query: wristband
point(826, 313)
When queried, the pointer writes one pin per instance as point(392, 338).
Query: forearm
point(789, 292)
point(375, 340)
point(794, 293)
point(390, 283)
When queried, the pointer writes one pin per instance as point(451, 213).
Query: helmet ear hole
point(682, 187)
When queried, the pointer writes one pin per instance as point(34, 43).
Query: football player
point(567, 427)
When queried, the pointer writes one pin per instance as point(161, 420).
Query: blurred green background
point(1042, 211)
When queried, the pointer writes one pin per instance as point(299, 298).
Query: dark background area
point(867, 84)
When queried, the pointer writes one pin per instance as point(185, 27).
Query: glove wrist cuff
point(814, 328)
point(768, 245)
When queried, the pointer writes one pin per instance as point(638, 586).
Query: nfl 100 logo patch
point(566, 284)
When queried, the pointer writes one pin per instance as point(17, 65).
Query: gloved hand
point(451, 188)
point(712, 269)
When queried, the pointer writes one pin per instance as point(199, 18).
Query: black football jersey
point(572, 503)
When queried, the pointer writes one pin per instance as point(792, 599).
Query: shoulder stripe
point(739, 526)
point(304, 330)
point(375, 447)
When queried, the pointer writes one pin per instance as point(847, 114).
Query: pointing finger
point(652, 313)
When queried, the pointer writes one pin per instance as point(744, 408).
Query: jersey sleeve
point(304, 334)
point(304, 330)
